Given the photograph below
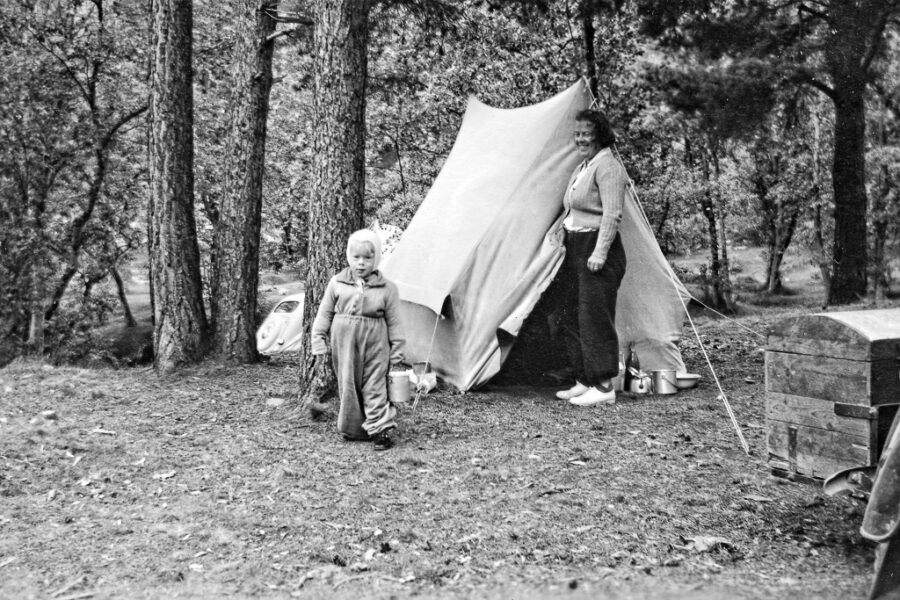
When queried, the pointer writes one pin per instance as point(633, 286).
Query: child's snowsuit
point(363, 324)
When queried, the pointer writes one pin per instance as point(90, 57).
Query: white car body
point(282, 330)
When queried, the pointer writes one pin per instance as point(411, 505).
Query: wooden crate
point(832, 389)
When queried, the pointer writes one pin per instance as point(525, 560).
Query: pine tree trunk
point(180, 327)
point(844, 56)
point(236, 269)
point(848, 282)
point(337, 182)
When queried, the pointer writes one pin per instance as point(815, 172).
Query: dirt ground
point(214, 484)
point(118, 484)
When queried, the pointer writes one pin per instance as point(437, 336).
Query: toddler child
point(360, 313)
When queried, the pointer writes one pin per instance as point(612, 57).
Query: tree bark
point(718, 286)
point(590, 55)
point(853, 25)
point(236, 271)
point(180, 326)
point(784, 233)
point(817, 246)
point(779, 225)
point(849, 258)
point(123, 299)
point(337, 180)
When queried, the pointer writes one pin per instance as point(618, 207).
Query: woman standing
point(594, 263)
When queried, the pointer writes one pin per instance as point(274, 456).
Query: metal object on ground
point(664, 382)
point(685, 381)
point(398, 387)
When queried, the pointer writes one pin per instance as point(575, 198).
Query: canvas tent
point(487, 242)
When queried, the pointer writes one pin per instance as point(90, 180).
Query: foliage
point(834, 47)
point(67, 191)
point(72, 335)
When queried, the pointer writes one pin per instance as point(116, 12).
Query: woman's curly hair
point(603, 131)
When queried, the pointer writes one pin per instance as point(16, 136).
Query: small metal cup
point(398, 387)
point(664, 382)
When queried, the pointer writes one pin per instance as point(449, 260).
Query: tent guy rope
point(674, 280)
point(419, 390)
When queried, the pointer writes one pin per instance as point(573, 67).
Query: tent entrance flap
point(488, 237)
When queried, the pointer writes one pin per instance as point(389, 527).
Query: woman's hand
point(594, 265)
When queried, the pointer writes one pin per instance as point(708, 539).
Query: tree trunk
point(820, 255)
point(712, 275)
point(844, 56)
point(818, 248)
point(123, 299)
point(848, 282)
point(236, 269)
point(590, 55)
point(883, 196)
point(180, 326)
point(718, 285)
point(35, 342)
point(337, 181)
point(783, 227)
point(724, 292)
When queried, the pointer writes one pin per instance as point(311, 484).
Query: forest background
point(205, 141)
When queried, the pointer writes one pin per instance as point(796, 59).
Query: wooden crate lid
point(856, 335)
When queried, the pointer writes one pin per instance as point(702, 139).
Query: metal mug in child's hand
point(398, 387)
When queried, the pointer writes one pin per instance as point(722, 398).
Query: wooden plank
point(834, 379)
point(816, 452)
point(886, 381)
point(814, 413)
point(855, 411)
point(855, 335)
point(817, 335)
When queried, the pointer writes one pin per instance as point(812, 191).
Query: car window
point(286, 307)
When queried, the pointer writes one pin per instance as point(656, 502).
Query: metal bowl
point(684, 381)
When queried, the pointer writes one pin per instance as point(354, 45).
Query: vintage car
point(282, 330)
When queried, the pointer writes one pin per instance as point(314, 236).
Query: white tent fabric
point(487, 241)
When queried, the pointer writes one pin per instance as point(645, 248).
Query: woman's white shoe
point(594, 396)
point(573, 392)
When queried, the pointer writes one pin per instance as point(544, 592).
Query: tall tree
point(236, 269)
point(337, 180)
point(830, 45)
point(180, 326)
